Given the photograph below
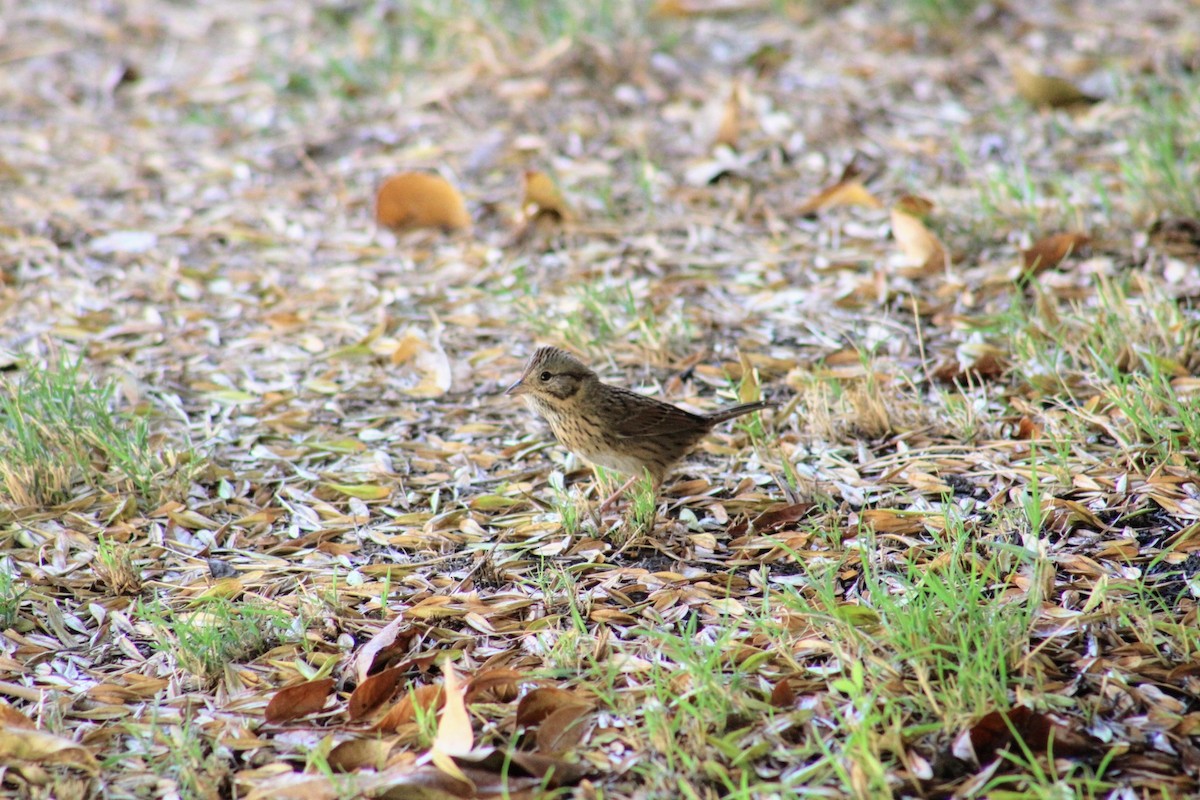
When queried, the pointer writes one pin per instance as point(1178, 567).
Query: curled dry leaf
point(500, 684)
point(886, 520)
point(363, 753)
point(543, 198)
point(843, 193)
point(418, 200)
point(454, 735)
point(563, 729)
point(374, 692)
point(427, 698)
point(21, 745)
point(379, 648)
point(1047, 91)
point(667, 9)
point(542, 702)
point(730, 126)
point(783, 695)
point(920, 246)
point(997, 730)
point(1049, 252)
point(913, 204)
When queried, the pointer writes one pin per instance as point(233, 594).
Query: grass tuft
point(60, 434)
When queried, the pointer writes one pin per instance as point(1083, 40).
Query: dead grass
point(273, 501)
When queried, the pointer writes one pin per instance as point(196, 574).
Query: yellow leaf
point(922, 248)
point(749, 390)
point(363, 491)
point(232, 396)
point(454, 734)
point(1048, 91)
point(410, 345)
point(419, 200)
point(544, 198)
point(226, 588)
point(336, 446)
point(842, 193)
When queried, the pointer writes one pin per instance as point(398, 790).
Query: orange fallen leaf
point(1049, 252)
point(420, 200)
point(426, 698)
point(454, 735)
point(543, 198)
point(294, 702)
point(843, 193)
point(1047, 91)
point(666, 9)
point(919, 244)
point(374, 692)
point(730, 126)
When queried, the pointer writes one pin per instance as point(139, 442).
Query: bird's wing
point(645, 416)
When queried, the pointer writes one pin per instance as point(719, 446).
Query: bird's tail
point(737, 411)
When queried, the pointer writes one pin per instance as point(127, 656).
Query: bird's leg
point(612, 498)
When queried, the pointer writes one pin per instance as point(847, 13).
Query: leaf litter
point(424, 601)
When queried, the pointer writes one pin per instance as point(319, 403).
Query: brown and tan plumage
point(609, 425)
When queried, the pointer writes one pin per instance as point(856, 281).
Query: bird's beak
point(517, 388)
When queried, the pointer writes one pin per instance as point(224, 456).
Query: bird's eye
point(545, 376)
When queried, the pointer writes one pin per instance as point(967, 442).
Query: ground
point(269, 526)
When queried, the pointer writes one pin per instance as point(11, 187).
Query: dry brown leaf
point(543, 198)
point(11, 718)
point(454, 734)
point(1049, 252)
point(999, 729)
point(427, 698)
point(1047, 91)
point(293, 702)
point(419, 200)
point(367, 752)
point(376, 690)
point(500, 684)
point(783, 695)
point(554, 772)
point(730, 126)
point(563, 729)
point(885, 520)
point(914, 205)
point(22, 745)
point(544, 701)
point(843, 193)
point(920, 246)
point(379, 645)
